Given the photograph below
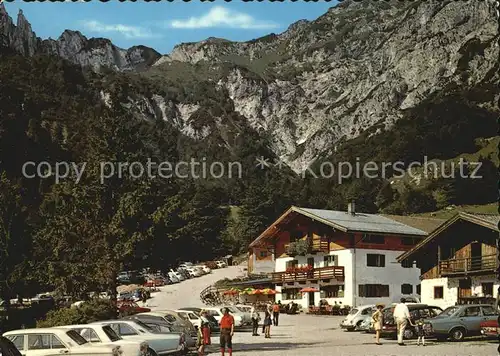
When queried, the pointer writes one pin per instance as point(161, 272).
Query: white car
point(221, 264)
point(357, 316)
point(244, 308)
point(173, 278)
point(162, 343)
point(55, 341)
point(218, 313)
point(191, 316)
point(105, 335)
point(179, 276)
point(194, 271)
point(205, 269)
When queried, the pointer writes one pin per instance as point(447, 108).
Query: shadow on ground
point(270, 346)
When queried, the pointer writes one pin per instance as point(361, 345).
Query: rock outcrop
point(73, 46)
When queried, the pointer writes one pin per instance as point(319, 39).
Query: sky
point(164, 25)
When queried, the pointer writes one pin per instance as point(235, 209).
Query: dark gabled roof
point(488, 221)
point(422, 223)
point(346, 222)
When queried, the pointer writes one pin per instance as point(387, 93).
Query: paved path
point(300, 335)
point(187, 293)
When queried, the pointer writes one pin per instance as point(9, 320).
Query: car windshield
point(489, 311)
point(234, 310)
point(79, 339)
point(449, 311)
point(111, 333)
point(353, 311)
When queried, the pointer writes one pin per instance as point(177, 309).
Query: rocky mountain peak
point(73, 46)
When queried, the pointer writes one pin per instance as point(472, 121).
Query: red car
point(129, 307)
point(490, 328)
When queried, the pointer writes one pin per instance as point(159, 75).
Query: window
point(471, 312)
point(418, 289)
point(409, 241)
point(332, 260)
point(76, 337)
point(373, 239)
point(290, 294)
point(373, 290)
point(407, 264)
point(438, 292)
point(292, 263)
point(489, 311)
point(170, 318)
point(89, 335)
point(332, 291)
point(263, 254)
point(113, 336)
point(375, 260)
point(193, 317)
point(487, 288)
point(44, 342)
point(126, 330)
point(18, 341)
point(406, 289)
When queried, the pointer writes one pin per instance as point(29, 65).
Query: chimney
point(351, 208)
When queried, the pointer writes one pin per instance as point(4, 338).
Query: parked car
point(160, 325)
point(7, 348)
point(162, 343)
point(128, 307)
point(52, 341)
point(417, 311)
point(104, 335)
point(221, 264)
point(173, 319)
point(218, 312)
point(357, 316)
point(366, 325)
point(214, 324)
point(43, 297)
point(460, 321)
point(178, 275)
point(490, 328)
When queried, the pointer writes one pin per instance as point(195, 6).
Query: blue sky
point(163, 25)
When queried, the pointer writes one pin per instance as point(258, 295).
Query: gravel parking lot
point(299, 335)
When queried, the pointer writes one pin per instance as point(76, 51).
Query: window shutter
point(361, 290)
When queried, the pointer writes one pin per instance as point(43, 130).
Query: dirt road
point(187, 293)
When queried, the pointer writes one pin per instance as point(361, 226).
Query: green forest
point(75, 237)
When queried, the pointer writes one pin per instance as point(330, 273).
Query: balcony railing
point(315, 246)
point(320, 245)
point(469, 265)
point(330, 272)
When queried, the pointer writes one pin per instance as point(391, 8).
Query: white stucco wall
point(357, 272)
point(262, 266)
point(450, 289)
point(393, 274)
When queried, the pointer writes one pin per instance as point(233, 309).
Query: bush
point(88, 312)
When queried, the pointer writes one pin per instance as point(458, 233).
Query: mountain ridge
point(307, 89)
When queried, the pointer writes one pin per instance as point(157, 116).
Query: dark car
point(417, 311)
point(7, 347)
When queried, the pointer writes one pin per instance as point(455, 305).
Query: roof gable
point(485, 220)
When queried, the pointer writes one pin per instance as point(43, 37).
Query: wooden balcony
point(320, 245)
point(330, 272)
point(471, 265)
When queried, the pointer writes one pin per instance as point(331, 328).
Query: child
point(419, 328)
point(267, 325)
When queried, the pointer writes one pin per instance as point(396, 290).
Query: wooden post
point(439, 260)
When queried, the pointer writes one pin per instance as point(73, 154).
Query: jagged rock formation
point(316, 84)
point(73, 46)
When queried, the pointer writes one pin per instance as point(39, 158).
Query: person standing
point(269, 309)
point(255, 321)
point(401, 316)
point(419, 328)
point(204, 333)
point(276, 314)
point(267, 325)
point(226, 333)
point(144, 298)
point(377, 319)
